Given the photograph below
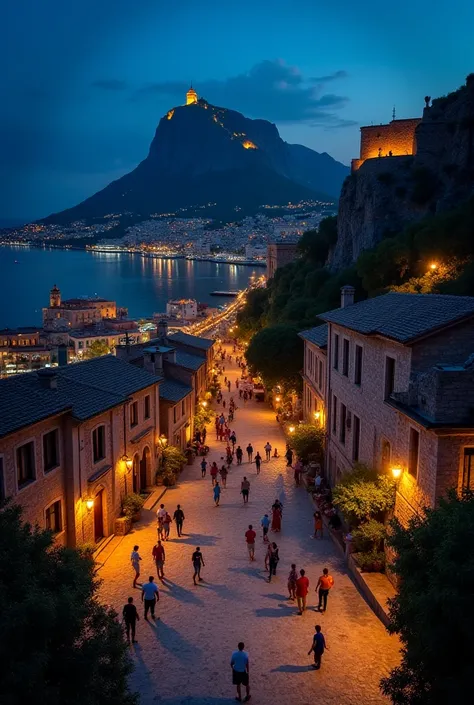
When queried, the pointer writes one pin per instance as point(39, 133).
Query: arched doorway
point(145, 468)
point(99, 516)
point(135, 472)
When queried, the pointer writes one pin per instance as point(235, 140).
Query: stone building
point(176, 412)
point(279, 254)
point(399, 391)
point(395, 139)
point(22, 350)
point(75, 440)
point(77, 313)
point(314, 375)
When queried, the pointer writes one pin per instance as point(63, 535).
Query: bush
point(132, 504)
point(203, 416)
point(363, 493)
point(371, 561)
point(306, 440)
point(173, 459)
point(167, 477)
point(369, 536)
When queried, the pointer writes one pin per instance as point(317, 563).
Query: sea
point(141, 284)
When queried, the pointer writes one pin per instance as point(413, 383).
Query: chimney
point(162, 329)
point(153, 361)
point(48, 378)
point(347, 296)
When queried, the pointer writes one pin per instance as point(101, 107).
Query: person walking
point(250, 536)
point(276, 516)
point(233, 439)
point(198, 562)
point(318, 525)
point(258, 462)
point(178, 516)
point(250, 452)
point(217, 493)
point(130, 619)
point(214, 472)
point(135, 559)
point(150, 595)
point(318, 646)
point(203, 467)
point(158, 554)
point(239, 453)
point(228, 385)
point(302, 587)
point(166, 526)
point(292, 578)
point(239, 663)
point(268, 449)
point(245, 489)
point(298, 469)
point(273, 561)
point(223, 472)
point(265, 524)
point(289, 457)
point(268, 555)
point(324, 584)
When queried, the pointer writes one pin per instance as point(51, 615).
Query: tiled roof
point(174, 391)
point(402, 317)
point(189, 362)
point(86, 389)
point(191, 340)
point(318, 335)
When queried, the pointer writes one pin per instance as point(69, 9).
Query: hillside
point(216, 160)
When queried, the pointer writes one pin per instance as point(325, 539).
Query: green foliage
point(202, 416)
point(314, 245)
point(435, 566)
point(369, 536)
point(132, 504)
point(371, 560)
point(173, 459)
point(58, 645)
point(307, 439)
point(97, 348)
point(362, 494)
point(276, 353)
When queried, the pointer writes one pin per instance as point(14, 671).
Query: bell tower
point(191, 96)
point(55, 297)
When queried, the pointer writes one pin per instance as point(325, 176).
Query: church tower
point(55, 297)
point(191, 96)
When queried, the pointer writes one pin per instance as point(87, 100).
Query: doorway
point(144, 468)
point(135, 473)
point(99, 516)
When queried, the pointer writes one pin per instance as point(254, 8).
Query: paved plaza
point(183, 658)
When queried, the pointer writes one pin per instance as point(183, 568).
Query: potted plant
point(132, 505)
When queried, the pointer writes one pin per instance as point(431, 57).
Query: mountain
point(216, 160)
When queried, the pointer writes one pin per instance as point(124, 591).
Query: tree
point(363, 493)
point(276, 353)
point(96, 349)
point(435, 566)
point(307, 439)
point(314, 245)
point(58, 645)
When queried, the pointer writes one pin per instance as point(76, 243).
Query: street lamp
point(433, 266)
point(204, 404)
point(278, 399)
point(291, 429)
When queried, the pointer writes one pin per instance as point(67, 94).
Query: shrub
point(371, 561)
point(369, 536)
point(363, 493)
point(308, 440)
point(202, 416)
point(131, 504)
point(173, 459)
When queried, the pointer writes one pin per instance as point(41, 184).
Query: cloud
point(272, 90)
point(110, 84)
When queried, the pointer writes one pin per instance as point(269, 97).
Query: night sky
point(85, 82)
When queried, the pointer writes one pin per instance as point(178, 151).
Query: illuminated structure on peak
point(249, 145)
point(191, 96)
point(396, 139)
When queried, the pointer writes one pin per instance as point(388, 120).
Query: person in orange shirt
point(324, 584)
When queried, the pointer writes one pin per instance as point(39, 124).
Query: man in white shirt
point(268, 449)
point(160, 515)
point(135, 559)
point(240, 671)
point(150, 595)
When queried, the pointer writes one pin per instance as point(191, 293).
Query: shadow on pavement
point(221, 590)
point(180, 593)
point(172, 640)
point(196, 540)
point(290, 668)
point(196, 700)
point(252, 572)
point(275, 596)
point(284, 611)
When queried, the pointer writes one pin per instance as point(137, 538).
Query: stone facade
point(395, 139)
point(279, 254)
point(176, 420)
point(314, 385)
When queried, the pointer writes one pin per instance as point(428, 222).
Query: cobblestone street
point(183, 658)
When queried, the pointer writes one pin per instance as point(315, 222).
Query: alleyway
point(184, 657)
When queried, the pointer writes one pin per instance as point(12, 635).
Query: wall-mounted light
point(278, 399)
point(396, 472)
point(317, 415)
point(89, 503)
point(163, 441)
point(291, 429)
point(128, 461)
point(204, 404)
point(433, 266)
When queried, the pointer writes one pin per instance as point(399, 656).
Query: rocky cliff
point(388, 193)
point(219, 161)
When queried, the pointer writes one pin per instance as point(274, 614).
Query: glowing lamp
point(291, 429)
point(163, 441)
point(89, 504)
point(396, 472)
point(204, 404)
point(277, 399)
point(317, 414)
point(433, 266)
point(128, 461)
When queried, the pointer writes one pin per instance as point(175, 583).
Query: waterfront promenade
point(183, 658)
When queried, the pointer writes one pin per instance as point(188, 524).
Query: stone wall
point(398, 137)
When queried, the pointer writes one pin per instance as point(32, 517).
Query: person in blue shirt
point(265, 524)
point(240, 671)
point(150, 595)
point(318, 646)
point(217, 493)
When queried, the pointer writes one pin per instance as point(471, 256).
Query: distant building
point(76, 313)
point(191, 96)
point(74, 441)
point(81, 340)
point(395, 139)
point(22, 350)
point(279, 254)
point(314, 375)
point(182, 308)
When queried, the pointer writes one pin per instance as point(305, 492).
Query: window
point(389, 376)
point(334, 414)
point(50, 450)
point(2, 481)
point(336, 352)
point(345, 357)
point(355, 438)
point(25, 463)
point(358, 365)
point(146, 414)
point(134, 414)
point(53, 517)
point(413, 451)
point(320, 380)
point(98, 443)
point(183, 407)
point(175, 415)
point(342, 427)
point(468, 469)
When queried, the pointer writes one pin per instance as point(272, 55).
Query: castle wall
point(395, 139)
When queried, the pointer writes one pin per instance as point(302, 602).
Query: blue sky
point(84, 83)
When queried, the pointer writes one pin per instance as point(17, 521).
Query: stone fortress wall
point(395, 139)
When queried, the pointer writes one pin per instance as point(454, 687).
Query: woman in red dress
point(276, 516)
